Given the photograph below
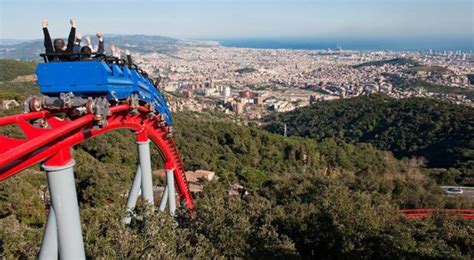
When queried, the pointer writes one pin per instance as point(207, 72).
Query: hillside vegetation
point(10, 69)
point(427, 68)
point(416, 84)
point(396, 61)
point(245, 70)
point(471, 78)
point(340, 200)
point(440, 132)
point(18, 90)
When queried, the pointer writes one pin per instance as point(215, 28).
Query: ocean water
point(361, 44)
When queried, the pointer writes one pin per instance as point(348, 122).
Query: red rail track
point(426, 213)
point(45, 143)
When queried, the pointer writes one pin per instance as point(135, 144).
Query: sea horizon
point(464, 44)
point(453, 43)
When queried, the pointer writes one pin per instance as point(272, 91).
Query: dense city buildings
point(202, 75)
point(251, 82)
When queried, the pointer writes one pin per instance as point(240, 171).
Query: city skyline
point(244, 19)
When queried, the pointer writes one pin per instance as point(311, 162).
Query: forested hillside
point(10, 69)
point(440, 132)
point(396, 61)
point(18, 90)
point(342, 200)
point(306, 199)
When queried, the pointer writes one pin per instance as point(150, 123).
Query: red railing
point(426, 213)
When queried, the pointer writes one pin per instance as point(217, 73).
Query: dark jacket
point(101, 49)
point(48, 44)
point(77, 46)
point(129, 61)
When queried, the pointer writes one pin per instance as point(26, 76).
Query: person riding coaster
point(59, 51)
point(59, 46)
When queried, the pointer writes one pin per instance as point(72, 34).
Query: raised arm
point(77, 43)
point(101, 49)
point(129, 59)
point(88, 42)
point(48, 43)
point(72, 36)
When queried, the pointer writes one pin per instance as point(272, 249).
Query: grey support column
point(164, 199)
point(145, 166)
point(62, 189)
point(171, 191)
point(133, 195)
point(49, 245)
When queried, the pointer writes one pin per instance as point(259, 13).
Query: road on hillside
point(466, 191)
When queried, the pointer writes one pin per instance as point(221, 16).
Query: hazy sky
point(242, 18)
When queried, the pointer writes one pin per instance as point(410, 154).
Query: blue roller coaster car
point(96, 78)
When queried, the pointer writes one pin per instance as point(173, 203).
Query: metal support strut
point(169, 194)
point(145, 166)
point(171, 190)
point(133, 195)
point(49, 246)
point(63, 229)
point(164, 199)
point(143, 180)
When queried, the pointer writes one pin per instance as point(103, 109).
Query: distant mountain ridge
point(30, 50)
point(12, 41)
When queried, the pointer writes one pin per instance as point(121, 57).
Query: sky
point(231, 19)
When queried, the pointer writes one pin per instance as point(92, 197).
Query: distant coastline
point(465, 44)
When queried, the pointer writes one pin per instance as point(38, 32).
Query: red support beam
point(52, 144)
